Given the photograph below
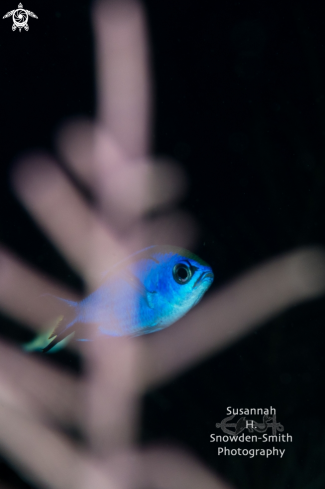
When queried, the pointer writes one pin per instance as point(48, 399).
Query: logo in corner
point(242, 424)
point(20, 18)
point(258, 433)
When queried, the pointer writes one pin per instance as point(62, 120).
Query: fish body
point(144, 293)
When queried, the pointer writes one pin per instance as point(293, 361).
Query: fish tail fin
point(66, 301)
point(58, 334)
point(43, 339)
point(56, 342)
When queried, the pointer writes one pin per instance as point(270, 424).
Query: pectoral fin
point(136, 283)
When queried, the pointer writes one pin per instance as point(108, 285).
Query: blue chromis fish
point(146, 292)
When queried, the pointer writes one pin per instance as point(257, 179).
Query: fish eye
point(182, 273)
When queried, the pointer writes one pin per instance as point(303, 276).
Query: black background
point(240, 102)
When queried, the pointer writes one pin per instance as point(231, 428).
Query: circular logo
point(20, 18)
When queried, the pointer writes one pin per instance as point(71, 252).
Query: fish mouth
point(204, 277)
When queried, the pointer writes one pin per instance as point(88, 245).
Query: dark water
point(240, 102)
